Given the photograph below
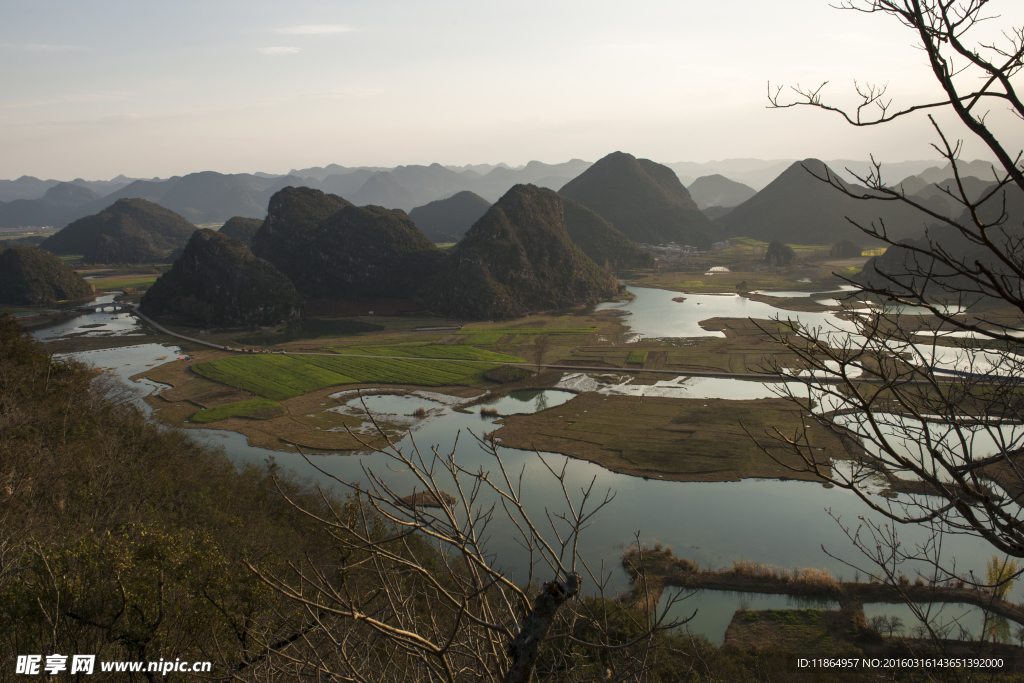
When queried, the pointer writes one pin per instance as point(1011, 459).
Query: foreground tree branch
point(931, 408)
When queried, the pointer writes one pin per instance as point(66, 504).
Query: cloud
point(39, 47)
point(314, 29)
point(278, 51)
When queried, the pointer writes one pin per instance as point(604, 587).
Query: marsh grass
point(816, 579)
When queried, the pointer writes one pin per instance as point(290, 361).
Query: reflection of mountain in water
point(538, 396)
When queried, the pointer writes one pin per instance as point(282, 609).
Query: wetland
point(672, 447)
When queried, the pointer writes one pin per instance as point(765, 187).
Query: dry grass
point(804, 578)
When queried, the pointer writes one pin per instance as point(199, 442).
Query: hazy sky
point(96, 88)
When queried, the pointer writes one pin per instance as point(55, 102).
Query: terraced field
point(280, 377)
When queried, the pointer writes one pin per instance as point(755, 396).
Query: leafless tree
point(417, 595)
point(932, 405)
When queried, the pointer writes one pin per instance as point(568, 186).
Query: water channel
point(782, 523)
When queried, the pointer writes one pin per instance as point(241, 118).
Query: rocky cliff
point(519, 258)
point(218, 281)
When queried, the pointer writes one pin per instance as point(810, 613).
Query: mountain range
point(209, 197)
point(517, 258)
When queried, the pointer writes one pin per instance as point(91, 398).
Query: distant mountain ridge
point(211, 197)
point(717, 190)
point(901, 263)
point(448, 220)
point(798, 208)
point(59, 202)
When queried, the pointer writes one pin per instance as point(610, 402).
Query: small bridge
point(105, 308)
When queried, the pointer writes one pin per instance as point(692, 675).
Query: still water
point(782, 523)
point(108, 324)
point(653, 313)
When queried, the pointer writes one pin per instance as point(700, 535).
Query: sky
point(97, 88)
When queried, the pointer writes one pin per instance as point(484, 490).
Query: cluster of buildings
point(673, 254)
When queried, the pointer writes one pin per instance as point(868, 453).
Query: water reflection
point(954, 620)
point(102, 324)
point(715, 609)
point(654, 313)
point(526, 401)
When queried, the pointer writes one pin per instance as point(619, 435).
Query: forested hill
point(218, 281)
point(30, 277)
point(128, 231)
point(643, 200)
point(520, 258)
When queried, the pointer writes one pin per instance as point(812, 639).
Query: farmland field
point(487, 337)
point(237, 409)
point(638, 356)
point(139, 282)
point(419, 350)
point(280, 377)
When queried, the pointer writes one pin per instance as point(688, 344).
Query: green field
point(237, 409)
point(139, 282)
point(421, 350)
point(278, 377)
point(485, 338)
point(488, 337)
point(638, 356)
